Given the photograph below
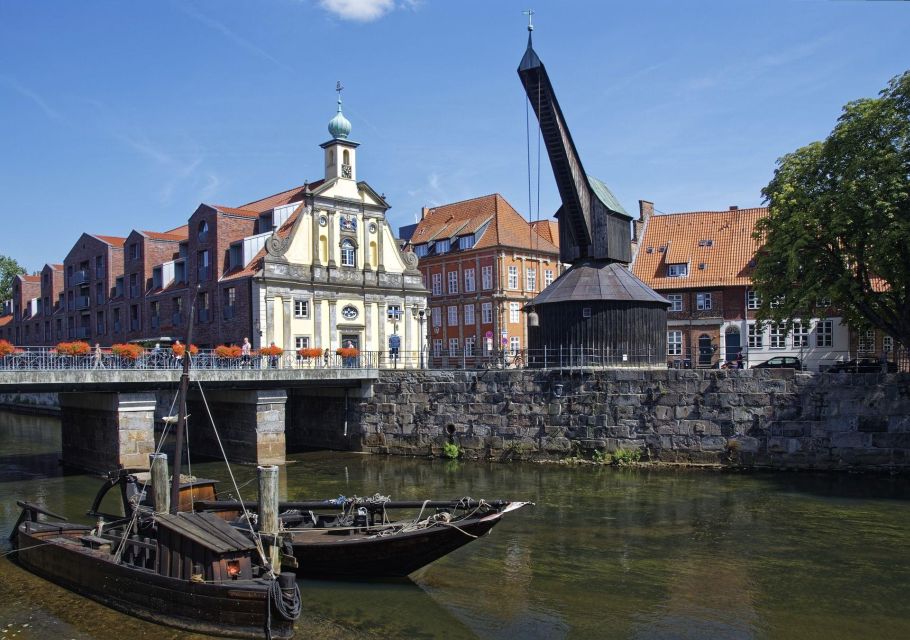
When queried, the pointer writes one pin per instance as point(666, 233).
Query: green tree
point(838, 227)
point(9, 269)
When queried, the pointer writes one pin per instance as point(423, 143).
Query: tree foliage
point(9, 269)
point(838, 227)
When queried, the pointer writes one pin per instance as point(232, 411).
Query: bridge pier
point(103, 431)
point(250, 422)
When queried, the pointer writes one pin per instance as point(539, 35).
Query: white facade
point(818, 343)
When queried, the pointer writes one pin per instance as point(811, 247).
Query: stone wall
point(40, 403)
point(757, 417)
point(315, 420)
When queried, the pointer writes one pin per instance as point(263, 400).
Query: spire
point(530, 59)
point(339, 126)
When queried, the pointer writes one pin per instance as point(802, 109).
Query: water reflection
point(605, 553)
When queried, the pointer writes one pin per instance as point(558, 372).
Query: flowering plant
point(347, 352)
point(271, 351)
point(6, 348)
point(180, 349)
point(128, 351)
point(225, 351)
point(311, 352)
point(77, 348)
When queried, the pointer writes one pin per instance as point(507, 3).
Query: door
point(732, 344)
point(705, 351)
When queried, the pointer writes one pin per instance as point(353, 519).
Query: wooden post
point(268, 510)
point(160, 485)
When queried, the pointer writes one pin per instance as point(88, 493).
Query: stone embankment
point(752, 418)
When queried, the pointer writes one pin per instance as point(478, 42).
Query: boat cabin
point(202, 547)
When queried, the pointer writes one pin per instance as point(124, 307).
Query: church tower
point(340, 153)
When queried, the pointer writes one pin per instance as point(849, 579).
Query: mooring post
point(268, 510)
point(160, 485)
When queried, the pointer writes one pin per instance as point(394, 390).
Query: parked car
point(780, 362)
point(862, 365)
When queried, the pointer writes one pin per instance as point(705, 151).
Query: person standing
point(178, 354)
point(98, 360)
point(245, 351)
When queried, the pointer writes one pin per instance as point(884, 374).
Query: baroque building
point(330, 272)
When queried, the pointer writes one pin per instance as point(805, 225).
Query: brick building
point(702, 262)
point(26, 300)
point(51, 304)
point(93, 290)
point(482, 262)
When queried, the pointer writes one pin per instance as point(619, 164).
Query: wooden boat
point(192, 571)
point(355, 539)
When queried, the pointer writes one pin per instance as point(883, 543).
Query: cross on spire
point(339, 88)
point(530, 14)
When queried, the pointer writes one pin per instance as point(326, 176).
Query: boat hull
point(236, 610)
point(325, 554)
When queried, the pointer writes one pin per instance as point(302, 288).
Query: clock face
point(349, 312)
point(323, 221)
point(372, 227)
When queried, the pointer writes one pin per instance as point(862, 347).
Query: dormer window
point(443, 246)
point(420, 250)
point(466, 242)
point(203, 233)
point(678, 270)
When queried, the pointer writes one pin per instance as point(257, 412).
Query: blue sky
point(120, 115)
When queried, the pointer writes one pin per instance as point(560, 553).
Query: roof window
point(706, 243)
point(701, 266)
point(679, 270)
point(649, 250)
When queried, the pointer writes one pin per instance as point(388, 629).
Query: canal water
point(605, 553)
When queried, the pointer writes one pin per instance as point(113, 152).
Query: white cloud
point(358, 10)
point(21, 89)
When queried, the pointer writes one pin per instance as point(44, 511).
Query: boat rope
point(256, 539)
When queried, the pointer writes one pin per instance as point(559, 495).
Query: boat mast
point(181, 410)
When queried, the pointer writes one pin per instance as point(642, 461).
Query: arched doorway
point(732, 343)
point(705, 350)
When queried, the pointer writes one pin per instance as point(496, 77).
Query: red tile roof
point(29, 278)
point(506, 226)
point(5, 320)
point(721, 241)
point(246, 213)
point(279, 199)
point(114, 241)
point(255, 264)
point(175, 235)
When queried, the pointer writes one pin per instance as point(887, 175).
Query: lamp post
point(421, 317)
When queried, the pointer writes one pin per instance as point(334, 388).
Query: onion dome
point(339, 126)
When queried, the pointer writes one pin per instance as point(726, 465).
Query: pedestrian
point(245, 350)
point(178, 354)
point(273, 358)
point(156, 355)
point(739, 360)
point(325, 357)
point(99, 364)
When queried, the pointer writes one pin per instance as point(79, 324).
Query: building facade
point(702, 263)
point(482, 262)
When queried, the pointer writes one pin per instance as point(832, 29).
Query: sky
point(127, 115)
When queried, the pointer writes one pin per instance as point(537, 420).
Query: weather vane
point(530, 14)
point(339, 88)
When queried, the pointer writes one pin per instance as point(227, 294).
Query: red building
point(482, 262)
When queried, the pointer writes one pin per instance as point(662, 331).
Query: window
point(514, 344)
point(99, 266)
point(156, 278)
point(203, 231)
point(348, 253)
point(824, 333)
point(134, 285)
point(702, 301)
point(301, 342)
point(394, 312)
point(452, 316)
point(800, 334)
point(753, 300)
point(229, 299)
point(469, 281)
point(547, 277)
point(675, 301)
point(531, 279)
point(203, 272)
point(777, 336)
point(235, 256)
point(486, 312)
point(443, 246)
point(465, 242)
point(453, 282)
point(469, 314)
point(301, 308)
point(678, 270)
point(756, 336)
point(437, 347)
point(203, 314)
point(154, 313)
point(437, 284)
point(513, 277)
point(99, 323)
point(469, 345)
point(420, 250)
point(486, 277)
point(453, 346)
point(437, 316)
point(823, 303)
point(134, 251)
point(118, 287)
point(866, 341)
point(674, 343)
point(514, 312)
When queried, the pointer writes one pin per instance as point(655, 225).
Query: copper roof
point(502, 225)
point(717, 246)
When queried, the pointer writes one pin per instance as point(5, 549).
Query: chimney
point(733, 207)
point(645, 211)
point(423, 212)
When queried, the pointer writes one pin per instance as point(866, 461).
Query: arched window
point(346, 157)
point(348, 254)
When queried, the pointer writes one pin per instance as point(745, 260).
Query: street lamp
point(420, 320)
